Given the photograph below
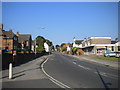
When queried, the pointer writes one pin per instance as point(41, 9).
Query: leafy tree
point(62, 44)
point(49, 42)
point(58, 48)
point(40, 43)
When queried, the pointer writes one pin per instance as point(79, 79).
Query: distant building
point(25, 42)
point(77, 43)
point(98, 45)
point(46, 46)
point(33, 46)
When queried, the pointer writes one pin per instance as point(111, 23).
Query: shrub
point(79, 51)
point(64, 49)
point(74, 49)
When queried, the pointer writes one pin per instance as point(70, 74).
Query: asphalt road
point(77, 73)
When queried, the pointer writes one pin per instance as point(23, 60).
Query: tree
point(62, 44)
point(58, 48)
point(40, 43)
point(116, 39)
point(49, 42)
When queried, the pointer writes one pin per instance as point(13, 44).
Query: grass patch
point(108, 58)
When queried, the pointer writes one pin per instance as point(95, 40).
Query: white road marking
point(74, 62)
point(84, 67)
point(52, 79)
point(103, 74)
point(107, 75)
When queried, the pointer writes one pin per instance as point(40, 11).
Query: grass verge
point(108, 58)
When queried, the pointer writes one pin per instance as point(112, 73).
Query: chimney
point(74, 39)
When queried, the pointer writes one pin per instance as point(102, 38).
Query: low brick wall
point(20, 58)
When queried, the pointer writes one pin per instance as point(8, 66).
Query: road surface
point(78, 73)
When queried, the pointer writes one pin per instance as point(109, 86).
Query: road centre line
point(107, 75)
point(84, 67)
point(102, 73)
point(74, 62)
point(54, 80)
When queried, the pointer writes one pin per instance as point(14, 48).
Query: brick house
point(9, 40)
point(24, 42)
point(1, 27)
point(98, 45)
point(33, 46)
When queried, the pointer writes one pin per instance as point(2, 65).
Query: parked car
point(112, 54)
point(117, 54)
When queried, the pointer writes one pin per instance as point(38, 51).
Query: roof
point(8, 34)
point(113, 42)
point(100, 37)
point(78, 41)
point(23, 37)
point(33, 42)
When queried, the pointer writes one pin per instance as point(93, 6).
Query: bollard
point(10, 71)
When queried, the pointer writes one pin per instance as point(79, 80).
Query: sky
point(61, 21)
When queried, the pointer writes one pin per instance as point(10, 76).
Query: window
point(15, 38)
point(112, 48)
point(118, 48)
point(15, 47)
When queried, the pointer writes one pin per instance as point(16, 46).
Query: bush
point(79, 52)
point(74, 49)
point(64, 49)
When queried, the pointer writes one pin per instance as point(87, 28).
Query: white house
point(77, 43)
point(46, 46)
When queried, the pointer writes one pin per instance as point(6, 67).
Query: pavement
point(114, 64)
point(28, 75)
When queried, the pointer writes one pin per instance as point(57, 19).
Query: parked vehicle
point(112, 54)
point(117, 54)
